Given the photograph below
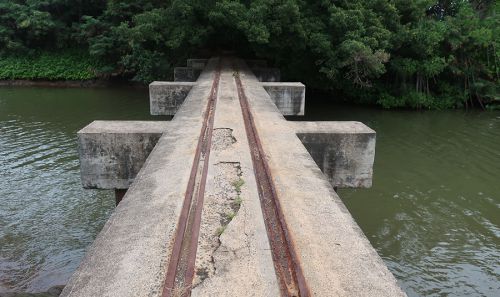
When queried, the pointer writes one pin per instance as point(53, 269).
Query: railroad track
point(286, 264)
point(180, 271)
point(181, 267)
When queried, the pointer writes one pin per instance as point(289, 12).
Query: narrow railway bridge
point(228, 198)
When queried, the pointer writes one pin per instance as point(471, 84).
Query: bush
point(67, 65)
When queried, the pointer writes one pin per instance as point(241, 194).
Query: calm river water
point(433, 213)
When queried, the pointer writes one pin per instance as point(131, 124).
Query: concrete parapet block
point(289, 97)
point(113, 152)
point(267, 74)
point(165, 97)
point(344, 151)
point(197, 63)
point(186, 74)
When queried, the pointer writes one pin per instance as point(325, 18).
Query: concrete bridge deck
point(234, 252)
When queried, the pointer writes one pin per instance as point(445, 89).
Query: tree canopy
point(395, 53)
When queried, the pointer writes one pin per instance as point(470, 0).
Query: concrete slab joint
point(113, 152)
point(289, 97)
point(166, 97)
point(344, 151)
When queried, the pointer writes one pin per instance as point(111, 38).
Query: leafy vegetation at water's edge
point(65, 65)
point(432, 54)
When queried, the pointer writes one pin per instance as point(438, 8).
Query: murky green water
point(46, 218)
point(433, 213)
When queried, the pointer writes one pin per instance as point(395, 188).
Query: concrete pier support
point(197, 63)
point(289, 97)
point(166, 97)
point(267, 74)
point(131, 254)
point(335, 257)
point(344, 151)
point(113, 152)
point(189, 74)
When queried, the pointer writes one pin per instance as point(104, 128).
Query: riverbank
point(72, 64)
point(93, 83)
point(75, 68)
point(54, 84)
point(66, 69)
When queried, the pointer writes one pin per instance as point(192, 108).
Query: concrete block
point(267, 74)
point(289, 97)
point(186, 74)
point(113, 152)
point(165, 98)
point(197, 63)
point(344, 151)
point(253, 63)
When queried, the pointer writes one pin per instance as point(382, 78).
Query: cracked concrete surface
point(242, 263)
point(218, 211)
point(130, 255)
point(222, 138)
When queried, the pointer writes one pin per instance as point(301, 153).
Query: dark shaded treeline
point(395, 53)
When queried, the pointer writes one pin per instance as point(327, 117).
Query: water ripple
point(46, 219)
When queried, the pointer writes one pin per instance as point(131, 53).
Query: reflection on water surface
point(433, 213)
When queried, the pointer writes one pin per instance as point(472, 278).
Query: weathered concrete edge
point(341, 127)
point(166, 97)
point(129, 258)
point(111, 153)
point(345, 151)
point(278, 92)
point(197, 63)
point(186, 74)
point(336, 258)
point(124, 127)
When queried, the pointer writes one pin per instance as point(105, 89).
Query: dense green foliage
point(395, 53)
point(66, 65)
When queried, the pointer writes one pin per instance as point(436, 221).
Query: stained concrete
point(113, 152)
point(165, 97)
point(130, 255)
point(289, 97)
point(186, 74)
point(344, 151)
point(264, 74)
point(197, 63)
point(220, 207)
point(242, 263)
point(335, 256)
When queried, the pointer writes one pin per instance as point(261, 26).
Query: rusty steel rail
point(286, 264)
point(180, 271)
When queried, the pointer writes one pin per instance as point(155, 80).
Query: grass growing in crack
point(238, 201)
point(220, 230)
point(230, 215)
point(237, 184)
point(235, 205)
